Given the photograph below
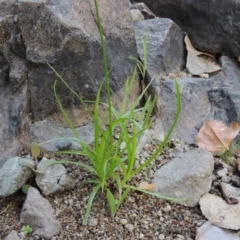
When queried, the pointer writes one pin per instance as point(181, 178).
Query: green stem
point(105, 69)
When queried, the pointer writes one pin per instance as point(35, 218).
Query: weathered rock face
point(211, 25)
point(165, 46)
point(202, 99)
point(64, 34)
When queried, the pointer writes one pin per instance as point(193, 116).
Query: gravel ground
point(140, 217)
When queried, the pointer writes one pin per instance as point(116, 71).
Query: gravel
point(141, 216)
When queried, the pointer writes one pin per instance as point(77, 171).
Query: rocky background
point(64, 34)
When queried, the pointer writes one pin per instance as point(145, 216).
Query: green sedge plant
point(112, 161)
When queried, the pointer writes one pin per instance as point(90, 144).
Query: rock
point(74, 50)
point(219, 213)
point(39, 214)
point(165, 46)
point(53, 178)
point(14, 174)
point(189, 176)
point(201, 99)
point(12, 236)
point(230, 191)
point(45, 131)
point(12, 118)
point(223, 172)
point(129, 227)
point(143, 9)
point(210, 232)
point(136, 15)
point(220, 17)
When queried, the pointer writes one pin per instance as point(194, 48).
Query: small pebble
point(167, 208)
point(222, 172)
point(141, 236)
point(123, 221)
point(226, 179)
point(93, 222)
point(161, 237)
point(129, 227)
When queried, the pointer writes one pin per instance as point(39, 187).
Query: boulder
point(211, 25)
point(165, 52)
point(202, 99)
point(188, 176)
point(64, 34)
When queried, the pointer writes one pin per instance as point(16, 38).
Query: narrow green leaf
point(90, 201)
point(111, 202)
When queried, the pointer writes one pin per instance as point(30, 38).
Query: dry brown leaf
point(146, 186)
point(191, 49)
point(198, 62)
point(217, 137)
point(219, 213)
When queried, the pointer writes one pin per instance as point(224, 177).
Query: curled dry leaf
point(198, 62)
point(217, 137)
point(219, 213)
point(146, 186)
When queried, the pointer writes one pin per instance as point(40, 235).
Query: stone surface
point(12, 236)
point(201, 99)
point(46, 130)
point(211, 25)
point(189, 176)
point(230, 191)
point(39, 214)
point(165, 46)
point(64, 34)
point(14, 174)
point(210, 232)
point(54, 177)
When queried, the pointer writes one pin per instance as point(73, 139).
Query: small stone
point(129, 227)
point(123, 145)
point(222, 172)
point(141, 236)
point(161, 237)
point(123, 221)
point(12, 236)
point(226, 179)
point(70, 202)
point(93, 222)
point(167, 208)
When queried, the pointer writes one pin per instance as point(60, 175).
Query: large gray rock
point(64, 34)
point(46, 130)
point(14, 174)
point(202, 99)
point(38, 213)
point(189, 176)
point(53, 178)
point(211, 25)
point(165, 46)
